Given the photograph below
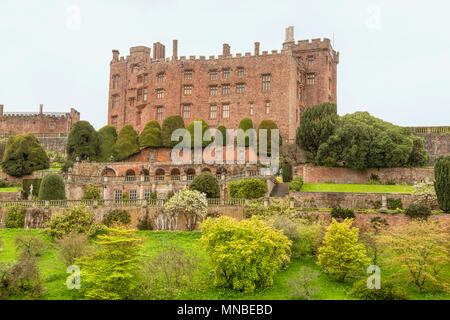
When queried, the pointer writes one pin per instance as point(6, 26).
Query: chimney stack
point(175, 50)
point(41, 109)
point(256, 48)
point(226, 49)
point(290, 34)
point(1, 110)
point(115, 55)
point(159, 51)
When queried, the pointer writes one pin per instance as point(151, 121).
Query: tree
point(151, 135)
point(442, 181)
point(15, 217)
point(23, 155)
point(419, 155)
point(244, 254)
point(91, 193)
point(82, 142)
point(341, 253)
point(107, 137)
point(317, 124)
point(296, 184)
point(301, 287)
point(52, 187)
point(206, 183)
point(192, 204)
point(110, 273)
point(170, 124)
point(250, 188)
point(267, 125)
point(287, 172)
point(419, 252)
point(245, 125)
point(190, 128)
point(127, 143)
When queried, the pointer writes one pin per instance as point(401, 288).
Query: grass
point(54, 273)
point(363, 188)
point(9, 189)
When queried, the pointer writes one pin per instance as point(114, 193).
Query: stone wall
point(7, 196)
point(437, 144)
point(312, 174)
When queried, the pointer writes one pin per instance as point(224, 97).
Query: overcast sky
point(394, 55)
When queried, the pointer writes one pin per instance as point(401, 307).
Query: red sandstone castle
point(223, 90)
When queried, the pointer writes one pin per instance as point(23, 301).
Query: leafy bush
point(192, 204)
point(82, 142)
point(151, 135)
point(287, 172)
point(107, 137)
point(206, 183)
point(15, 217)
point(144, 222)
point(394, 203)
point(244, 254)
point(250, 188)
point(418, 211)
point(425, 194)
point(296, 184)
point(442, 182)
point(170, 124)
point(4, 183)
point(76, 219)
point(153, 195)
point(26, 183)
point(72, 246)
point(127, 143)
point(191, 130)
point(301, 287)
point(388, 291)
point(23, 155)
point(92, 193)
point(170, 194)
point(341, 213)
point(390, 181)
point(267, 125)
point(52, 187)
point(117, 216)
point(310, 236)
point(245, 125)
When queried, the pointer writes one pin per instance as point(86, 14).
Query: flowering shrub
point(191, 204)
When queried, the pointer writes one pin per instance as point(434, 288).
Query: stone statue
point(30, 195)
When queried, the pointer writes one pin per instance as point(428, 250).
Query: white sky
point(394, 55)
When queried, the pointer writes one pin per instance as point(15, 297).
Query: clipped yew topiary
point(268, 125)
point(107, 137)
point(206, 183)
point(23, 155)
point(287, 172)
point(442, 181)
point(245, 125)
point(82, 141)
point(170, 124)
point(127, 143)
point(151, 135)
point(52, 188)
point(223, 130)
point(117, 216)
point(191, 129)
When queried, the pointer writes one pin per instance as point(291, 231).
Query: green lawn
point(9, 189)
point(54, 275)
point(364, 188)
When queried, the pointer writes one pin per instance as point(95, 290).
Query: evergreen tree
point(107, 137)
point(151, 135)
point(82, 141)
point(127, 143)
point(442, 181)
point(170, 124)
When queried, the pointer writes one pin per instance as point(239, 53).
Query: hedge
point(127, 143)
point(151, 135)
point(52, 188)
point(250, 188)
point(170, 124)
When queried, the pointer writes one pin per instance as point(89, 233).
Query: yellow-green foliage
point(245, 254)
point(341, 253)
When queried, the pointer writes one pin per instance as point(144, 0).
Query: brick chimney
point(41, 109)
point(1, 110)
point(256, 48)
point(115, 55)
point(159, 51)
point(290, 34)
point(175, 50)
point(226, 49)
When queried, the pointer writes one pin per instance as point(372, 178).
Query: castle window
point(186, 111)
point(213, 75)
point(300, 78)
point(310, 60)
point(226, 89)
point(159, 113)
point(52, 125)
point(188, 74)
point(147, 193)
point(187, 90)
point(213, 112)
point(161, 77)
point(310, 77)
point(139, 94)
point(266, 82)
point(115, 101)
point(213, 91)
point(146, 77)
point(133, 194)
point(117, 195)
point(226, 73)
point(240, 72)
point(240, 88)
point(267, 107)
point(140, 79)
point(159, 93)
point(251, 109)
point(226, 111)
point(145, 94)
point(115, 81)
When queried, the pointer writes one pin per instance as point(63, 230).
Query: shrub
point(66, 165)
point(394, 203)
point(170, 194)
point(206, 183)
point(117, 216)
point(390, 181)
point(424, 193)
point(127, 143)
point(153, 196)
point(267, 125)
point(26, 183)
point(310, 236)
point(244, 254)
point(223, 130)
point(23, 155)
point(296, 184)
point(111, 272)
point(151, 135)
point(341, 253)
point(144, 222)
point(107, 137)
point(191, 130)
point(82, 142)
point(250, 188)
point(170, 124)
point(191, 204)
point(287, 172)
point(76, 219)
point(72, 246)
point(15, 217)
point(388, 291)
point(301, 287)
point(92, 193)
point(245, 125)
point(418, 211)
point(4, 183)
point(340, 213)
point(442, 182)
point(52, 188)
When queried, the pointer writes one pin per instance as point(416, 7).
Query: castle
point(226, 89)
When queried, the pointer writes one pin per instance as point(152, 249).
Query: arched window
point(130, 175)
point(190, 174)
point(175, 174)
point(206, 170)
point(159, 175)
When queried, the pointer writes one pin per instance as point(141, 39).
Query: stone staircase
point(281, 190)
